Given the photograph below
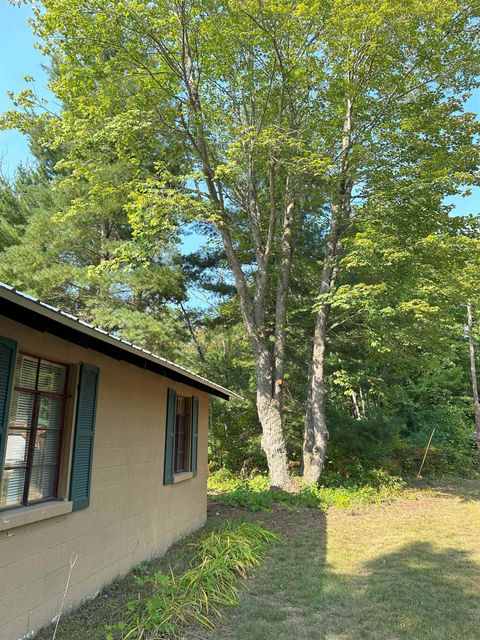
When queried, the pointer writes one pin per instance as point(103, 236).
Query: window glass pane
point(51, 377)
point(12, 488)
point(179, 466)
point(180, 406)
point(42, 483)
point(21, 410)
point(182, 436)
point(46, 447)
point(49, 412)
point(17, 448)
point(26, 374)
point(33, 415)
point(181, 424)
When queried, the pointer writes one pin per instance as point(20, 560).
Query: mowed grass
point(406, 571)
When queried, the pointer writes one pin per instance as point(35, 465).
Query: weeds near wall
point(175, 602)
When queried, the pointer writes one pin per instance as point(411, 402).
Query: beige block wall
point(132, 516)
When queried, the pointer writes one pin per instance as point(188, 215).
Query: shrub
point(223, 480)
point(369, 443)
point(355, 475)
point(247, 497)
point(452, 452)
point(195, 597)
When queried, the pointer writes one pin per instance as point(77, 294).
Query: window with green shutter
point(181, 436)
point(84, 435)
point(33, 396)
point(8, 350)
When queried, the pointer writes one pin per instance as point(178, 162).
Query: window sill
point(35, 513)
point(180, 477)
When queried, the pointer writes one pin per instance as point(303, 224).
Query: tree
point(87, 263)
point(398, 127)
point(473, 371)
point(257, 119)
point(13, 216)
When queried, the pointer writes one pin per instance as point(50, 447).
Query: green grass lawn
point(406, 571)
point(409, 570)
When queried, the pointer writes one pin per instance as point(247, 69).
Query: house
point(103, 458)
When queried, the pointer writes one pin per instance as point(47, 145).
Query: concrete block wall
point(132, 516)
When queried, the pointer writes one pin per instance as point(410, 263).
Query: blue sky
point(19, 58)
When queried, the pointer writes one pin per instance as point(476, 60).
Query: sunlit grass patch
point(408, 570)
point(254, 493)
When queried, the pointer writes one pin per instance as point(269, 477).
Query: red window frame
point(37, 395)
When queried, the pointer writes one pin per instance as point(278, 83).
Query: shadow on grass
point(417, 593)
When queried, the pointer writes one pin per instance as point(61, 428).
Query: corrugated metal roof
point(26, 301)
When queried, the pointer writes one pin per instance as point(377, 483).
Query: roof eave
point(51, 320)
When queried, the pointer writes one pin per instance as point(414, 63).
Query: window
point(34, 432)
point(181, 451)
point(181, 438)
point(33, 459)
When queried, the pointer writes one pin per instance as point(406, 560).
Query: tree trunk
point(273, 442)
point(473, 371)
point(270, 414)
point(316, 433)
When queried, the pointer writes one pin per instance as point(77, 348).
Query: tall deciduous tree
point(473, 371)
point(397, 73)
point(261, 117)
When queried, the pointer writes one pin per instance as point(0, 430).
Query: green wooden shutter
point(169, 437)
point(84, 436)
point(194, 436)
point(8, 351)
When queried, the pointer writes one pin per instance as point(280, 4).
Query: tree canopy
point(313, 144)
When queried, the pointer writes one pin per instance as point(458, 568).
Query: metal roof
point(42, 316)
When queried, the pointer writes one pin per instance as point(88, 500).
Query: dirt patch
point(284, 521)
